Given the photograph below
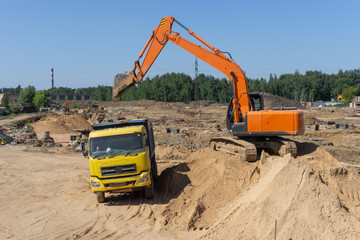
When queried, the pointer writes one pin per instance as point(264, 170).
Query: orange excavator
point(253, 127)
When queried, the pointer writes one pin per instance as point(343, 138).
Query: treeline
point(179, 87)
point(99, 93)
point(311, 86)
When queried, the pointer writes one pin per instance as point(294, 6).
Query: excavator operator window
point(257, 101)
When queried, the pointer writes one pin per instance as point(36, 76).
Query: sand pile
point(201, 103)
point(312, 197)
point(61, 124)
point(272, 101)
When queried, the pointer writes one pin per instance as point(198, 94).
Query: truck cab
point(122, 158)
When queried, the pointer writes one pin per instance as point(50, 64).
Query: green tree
point(339, 85)
point(225, 91)
point(27, 95)
point(14, 90)
point(61, 90)
point(179, 87)
point(349, 93)
point(102, 93)
point(5, 101)
point(42, 99)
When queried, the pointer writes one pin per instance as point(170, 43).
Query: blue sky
point(89, 42)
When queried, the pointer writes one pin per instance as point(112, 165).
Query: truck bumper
point(123, 184)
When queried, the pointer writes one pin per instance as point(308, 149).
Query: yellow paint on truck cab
point(123, 172)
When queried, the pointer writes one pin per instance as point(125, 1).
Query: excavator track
point(277, 145)
point(245, 149)
point(248, 148)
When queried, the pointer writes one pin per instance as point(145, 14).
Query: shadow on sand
point(169, 185)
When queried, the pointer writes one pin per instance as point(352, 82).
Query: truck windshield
point(116, 145)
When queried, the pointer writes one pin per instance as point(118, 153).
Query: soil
point(60, 126)
point(202, 193)
point(271, 101)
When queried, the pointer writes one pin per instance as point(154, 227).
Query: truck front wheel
point(100, 196)
point(149, 192)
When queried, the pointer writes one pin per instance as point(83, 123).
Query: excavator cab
point(122, 82)
point(257, 103)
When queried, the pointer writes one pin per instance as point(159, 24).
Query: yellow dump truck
point(122, 158)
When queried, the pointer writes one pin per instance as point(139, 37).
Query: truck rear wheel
point(100, 196)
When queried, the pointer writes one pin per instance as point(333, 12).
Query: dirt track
point(204, 194)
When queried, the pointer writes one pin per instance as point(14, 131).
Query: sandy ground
point(208, 196)
point(203, 194)
point(47, 196)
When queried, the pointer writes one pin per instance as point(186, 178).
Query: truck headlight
point(95, 184)
point(144, 178)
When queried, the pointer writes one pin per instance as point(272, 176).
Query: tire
point(100, 196)
point(154, 179)
point(154, 172)
point(149, 192)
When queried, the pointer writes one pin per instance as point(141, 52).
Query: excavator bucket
point(122, 82)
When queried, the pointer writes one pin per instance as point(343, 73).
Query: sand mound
point(272, 101)
point(61, 124)
point(201, 103)
point(310, 198)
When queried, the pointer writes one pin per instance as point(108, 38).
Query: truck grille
point(118, 170)
point(119, 184)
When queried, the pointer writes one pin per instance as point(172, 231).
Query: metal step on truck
point(122, 158)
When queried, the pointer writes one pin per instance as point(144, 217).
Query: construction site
point(201, 194)
point(260, 167)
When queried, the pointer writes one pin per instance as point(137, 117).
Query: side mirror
point(84, 148)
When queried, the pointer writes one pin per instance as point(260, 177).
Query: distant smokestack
point(52, 78)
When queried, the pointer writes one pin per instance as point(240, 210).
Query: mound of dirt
point(272, 101)
point(213, 184)
point(222, 197)
point(61, 124)
point(200, 103)
point(142, 103)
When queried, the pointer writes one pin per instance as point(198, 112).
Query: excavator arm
point(153, 47)
point(157, 41)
